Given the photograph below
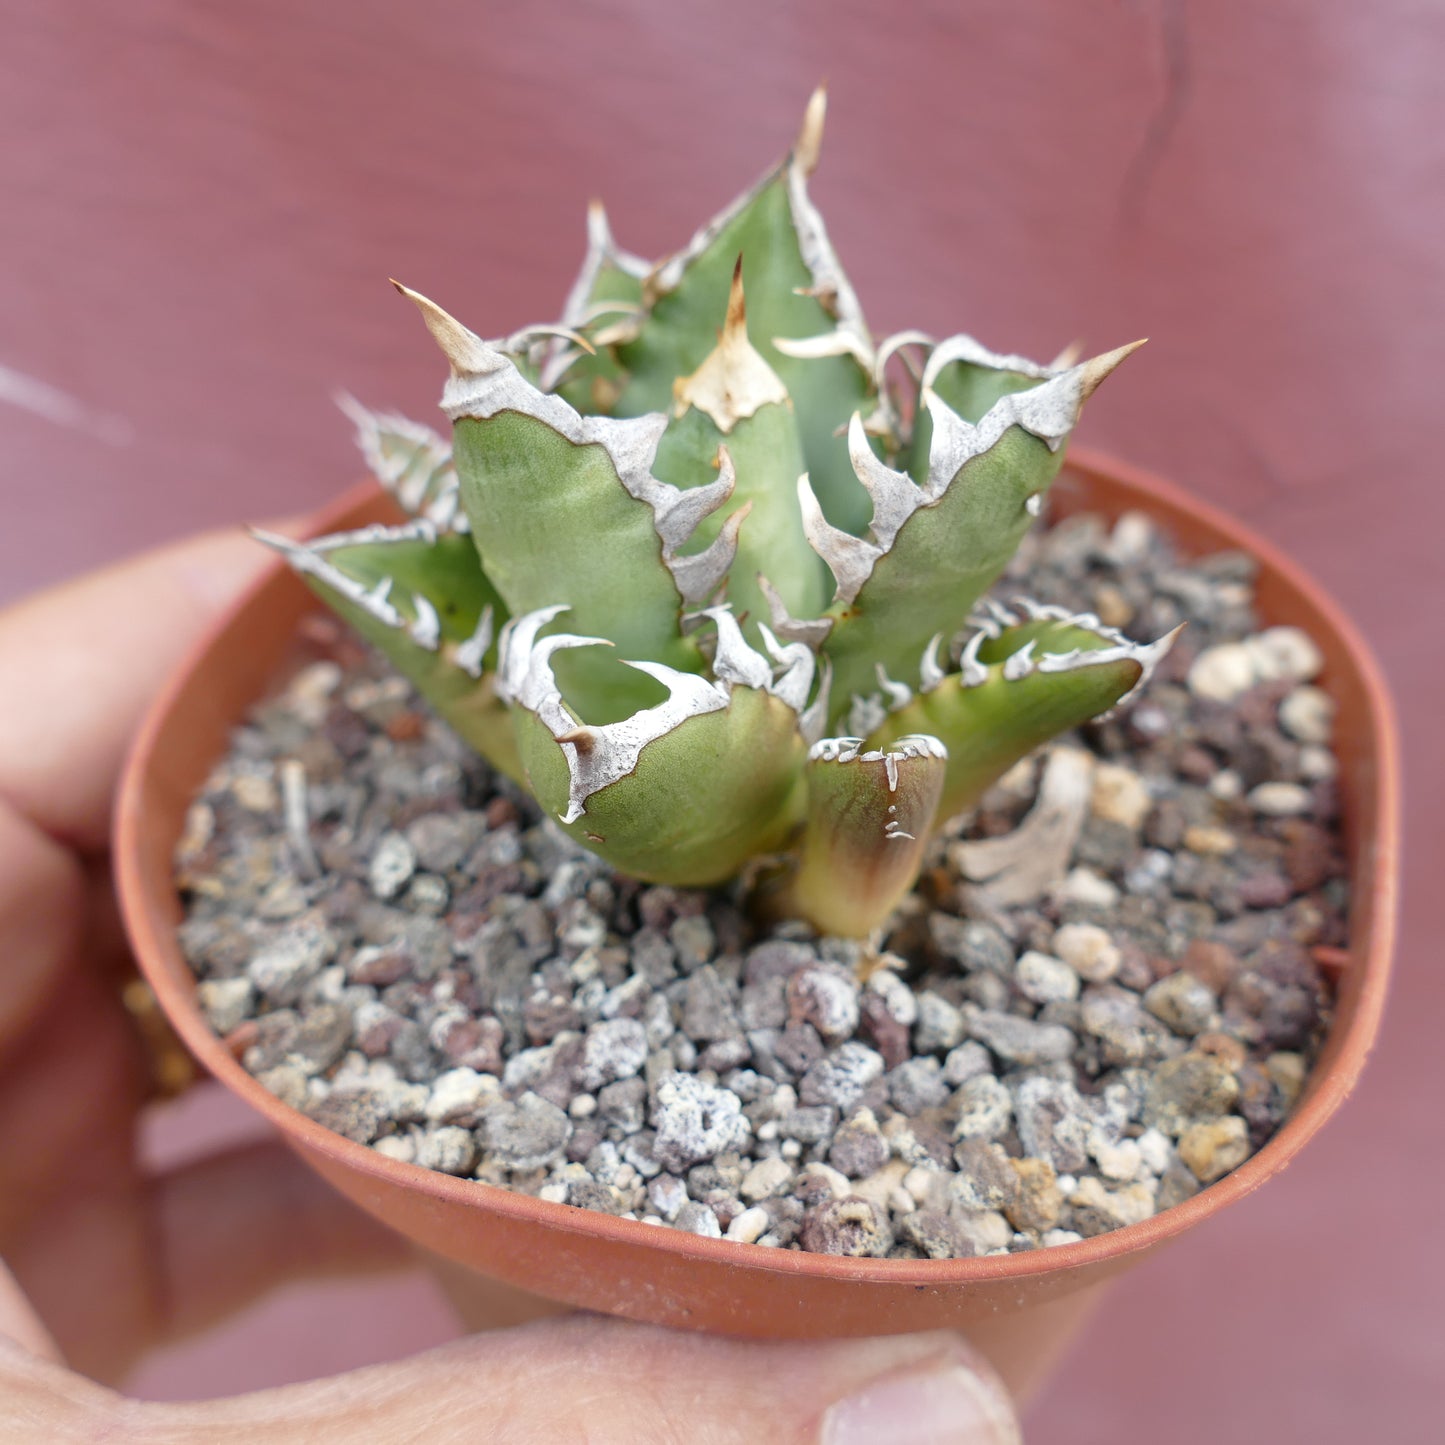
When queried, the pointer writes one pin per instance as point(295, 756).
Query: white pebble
point(900, 1201)
point(839, 1185)
point(583, 1106)
point(1223, 672)
point(255, 792)
point(1061, 1236)
point(392, 865)
point(1119, 1161)
point(1083, 885)
point(1308, 715)
point(1120, 796)
point(1130, 539)
point(1088, 950)
point(1284, 652)
point(921, 1182)
point(1280, 800)
point(553, 1193)
point(1226, 785)
point(397, 1146)
point(1211, 841)
point(457, 1095)
point(1155, 1150)
point(749, 1226)
point(1045, 979)
point(309, 693)
point(225, 1002)
point(766, 1178)
point(1317, 764)
point(897, 997)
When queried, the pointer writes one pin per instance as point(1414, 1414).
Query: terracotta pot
point(1021, 1308)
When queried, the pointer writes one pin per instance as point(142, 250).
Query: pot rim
point(149, 923)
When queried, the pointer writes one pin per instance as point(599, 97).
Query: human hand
point(114, 1261)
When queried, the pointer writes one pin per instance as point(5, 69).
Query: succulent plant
point(704, 566)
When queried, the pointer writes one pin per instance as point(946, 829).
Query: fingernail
point(947, 1405)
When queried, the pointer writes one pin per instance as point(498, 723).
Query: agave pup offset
point(702, 571)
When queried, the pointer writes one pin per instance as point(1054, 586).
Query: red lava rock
point(883, 1031)
point(405, 727)
point(1309, 855)
point(1224, 1047)
point(242, 1037)
point(1265, 888)
point(499, 812)
point(849, 1226)
point(1211, 963)
point(1196, 763)
point(346, 731)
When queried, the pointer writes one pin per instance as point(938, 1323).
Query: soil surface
point(395, 942)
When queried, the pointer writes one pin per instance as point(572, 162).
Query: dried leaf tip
point(1097, 368)
point(734, 380)
point(809, 145)
point(466, 352)
point(735, 323)
point(599, 229)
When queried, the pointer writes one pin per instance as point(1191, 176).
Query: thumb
point(605, 1381)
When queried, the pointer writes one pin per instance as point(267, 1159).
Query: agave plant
point(704, 567)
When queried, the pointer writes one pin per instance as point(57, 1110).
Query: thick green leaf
point(869, 814)
point(422, 622)
point(988, 719)
point(554, 525)
point(703, 799)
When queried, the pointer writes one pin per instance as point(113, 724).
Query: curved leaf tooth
point(1018, 689)
point(869, 814)
point(425, 604)
point(410, 461)
point(607, 291)
point(797, 291)
point(812, 631)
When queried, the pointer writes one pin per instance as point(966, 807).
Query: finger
point(605, 1381)
point(69, 1089)
point(43, 905)
point(79, 663)
point(232, 1227)
point(19, 1323)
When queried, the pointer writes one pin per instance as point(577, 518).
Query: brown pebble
point(499, 812)
point(242, 1037)
point(405, 727)
point(1039, 1200)
point(1224, 1047)
point(1211, 963)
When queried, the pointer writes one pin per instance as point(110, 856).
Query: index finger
point(79, 664)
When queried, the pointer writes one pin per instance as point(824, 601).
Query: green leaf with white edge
point(969, 379)
point(735, 413)
point(423, 601)
point(412, 463)
point(870, 811)
point(805, 317)
point(703, 798)
point(935, 548)
point(1020, 683)
point(565, 511)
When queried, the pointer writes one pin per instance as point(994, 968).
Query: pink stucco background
point(202, 202)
